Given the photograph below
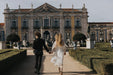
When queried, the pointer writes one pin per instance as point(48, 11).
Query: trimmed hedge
point(99, 59)
point(10, 57)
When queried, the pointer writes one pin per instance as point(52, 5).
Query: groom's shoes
point(37, 72)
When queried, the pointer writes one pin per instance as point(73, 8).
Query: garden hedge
point(9, 58)
point(100, 59)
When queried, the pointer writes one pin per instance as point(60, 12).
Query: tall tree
point(13, 37)
point(79, 36)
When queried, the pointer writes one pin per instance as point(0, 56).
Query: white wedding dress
point(58, 56)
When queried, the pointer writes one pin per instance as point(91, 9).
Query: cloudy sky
point(98, 10)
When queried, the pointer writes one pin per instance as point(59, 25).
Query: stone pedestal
point(2, 45)
point(89, 44)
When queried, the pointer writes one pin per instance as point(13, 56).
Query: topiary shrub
point(79, 37)
point(109, 69)
point(13, 37)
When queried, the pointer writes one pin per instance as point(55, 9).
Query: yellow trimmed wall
point(72, 27)
point(19, 27)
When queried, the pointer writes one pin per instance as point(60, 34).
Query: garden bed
point(99, 59)
point(9, 58)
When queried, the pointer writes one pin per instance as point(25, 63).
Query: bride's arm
point(53, 47)
point(64, 49)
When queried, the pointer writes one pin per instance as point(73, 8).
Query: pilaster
point(72, 27)
point(30, 24)
point(62, 26)
point(19, 27)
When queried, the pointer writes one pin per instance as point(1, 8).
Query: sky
point(98, 10)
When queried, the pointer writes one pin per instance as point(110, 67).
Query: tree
point(79, 36)
point(13, 37)
point(88, 30)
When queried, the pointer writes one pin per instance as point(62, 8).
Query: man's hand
point(50, 52)
point(65, 53)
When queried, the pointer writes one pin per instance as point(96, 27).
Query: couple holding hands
point(58, 49)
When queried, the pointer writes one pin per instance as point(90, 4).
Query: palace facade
point(101, 31)
point(46, 19)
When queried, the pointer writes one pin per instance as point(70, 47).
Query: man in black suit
point(38, 45)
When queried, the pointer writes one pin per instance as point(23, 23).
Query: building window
point(46, 22)
point(67, 22)
point(93, 26)
point(36, 23)
point(25, 36)
point(97, 36)
point(106, 34)
point(14, 23)
point(101, 33)
point(0, 37)
point(24, 23)
point(56, 21)
point(77, 22)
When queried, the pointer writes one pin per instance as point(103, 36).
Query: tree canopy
point(79, 36)
point(13, 37)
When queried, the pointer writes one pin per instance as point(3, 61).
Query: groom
point(38, 45)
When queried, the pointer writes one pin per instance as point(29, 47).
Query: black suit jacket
point(38, 45)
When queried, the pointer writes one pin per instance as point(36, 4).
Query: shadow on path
point(25, 67)
point(69, 73)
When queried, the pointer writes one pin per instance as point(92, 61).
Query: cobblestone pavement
point(71, 66)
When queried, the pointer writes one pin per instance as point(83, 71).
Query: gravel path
point(71, 66)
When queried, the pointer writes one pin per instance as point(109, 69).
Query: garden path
point(71, 66)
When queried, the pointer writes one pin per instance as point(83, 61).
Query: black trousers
point(38, 62)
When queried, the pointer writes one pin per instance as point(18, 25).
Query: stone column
point(99, 35)
point(62, 25)
point(108, 35)
point(84, 23)
point(30, 31)
point(104, 36)
point(41, 31)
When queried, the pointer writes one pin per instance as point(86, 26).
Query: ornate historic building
point(2, 36)
point(101, 31)
point(47, 19)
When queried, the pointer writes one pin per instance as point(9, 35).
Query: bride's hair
point(59, 41)
point(56, 37)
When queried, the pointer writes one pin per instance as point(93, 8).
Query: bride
point(59, 51)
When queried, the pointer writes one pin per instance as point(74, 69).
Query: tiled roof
point(1, 24)
point(27, 10)
point(100, 22)
point(21, 10)
point(68, 9)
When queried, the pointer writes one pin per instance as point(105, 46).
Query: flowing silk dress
point(58, 56)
